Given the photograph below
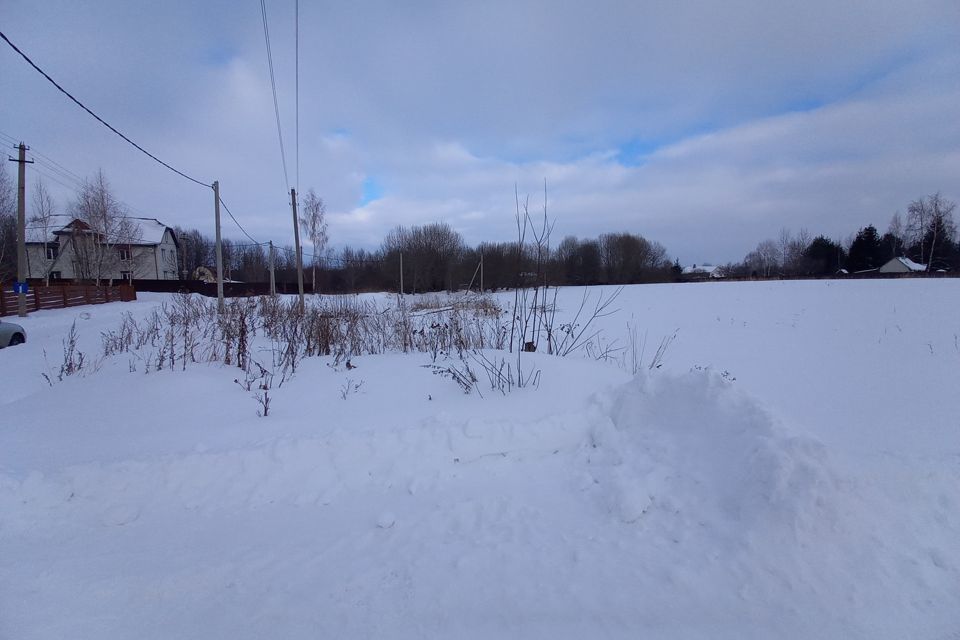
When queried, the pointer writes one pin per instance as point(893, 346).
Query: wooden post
point(273, 279)
point(296, 237)
point(22, 163)
point(183, 243)
point(216, 209)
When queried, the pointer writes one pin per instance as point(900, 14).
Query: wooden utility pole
point(401, 273)
point(481, 273)
point(296, 238)
point(273, 279)
point(22, 163)
point(183, 243)
point(216, 208)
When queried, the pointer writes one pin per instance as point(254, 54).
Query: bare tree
point(106, 233)
point(313, 213)
point(896, 226)
point(792, 262)
point(785, 241)
point(929, 226)
point(42, 221)
point(8, 224)
point(765, 257)
point(431, 254)
point(918, 219)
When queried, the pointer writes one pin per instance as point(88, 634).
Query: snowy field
point(792, 470)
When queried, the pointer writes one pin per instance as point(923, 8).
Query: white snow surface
point(792, 470)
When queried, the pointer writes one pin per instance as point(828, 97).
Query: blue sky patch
point(218, 55)
point(370, 190)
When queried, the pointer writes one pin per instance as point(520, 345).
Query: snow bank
point(687, 502)
point(694, 444)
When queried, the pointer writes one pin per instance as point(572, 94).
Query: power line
point(10, 139)
point(273, 85)
point(49, 163)
point(59, 171)
point(239, 226)
point(329, 259)
point(53, 178)
point(244, 245)
point(98, 118)
point(59, 167)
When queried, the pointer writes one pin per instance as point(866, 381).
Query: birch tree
point(42, 220)
point(313, 223)
point(106, 231)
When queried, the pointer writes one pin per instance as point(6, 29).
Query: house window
point(124, 254)
point(55, 275)
point(163, 253)
point(52, 251)
point(126, 275)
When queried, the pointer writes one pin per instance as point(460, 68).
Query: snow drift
point(680, 503)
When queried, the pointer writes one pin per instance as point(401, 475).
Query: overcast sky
point(707, 125)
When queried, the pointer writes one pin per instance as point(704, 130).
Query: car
point(11, 334)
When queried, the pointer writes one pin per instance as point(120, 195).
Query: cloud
point(713, 196)
point(704, 125)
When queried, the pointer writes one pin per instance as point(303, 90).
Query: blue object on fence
point(21, 287)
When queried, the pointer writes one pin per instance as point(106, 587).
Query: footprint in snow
point(120, 514)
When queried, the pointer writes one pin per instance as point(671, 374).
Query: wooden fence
point(62, 296)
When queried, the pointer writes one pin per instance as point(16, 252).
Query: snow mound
point(693, 451)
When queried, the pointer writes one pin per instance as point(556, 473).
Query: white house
point(702, 271)
point(902, 265)
point(67, 248)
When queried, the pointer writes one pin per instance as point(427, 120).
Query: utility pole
point(216, 208)
point(401, 274)
point(481, 273)
point(183, 242)
point(296, 238)
point(22, 163)
point(273, 280)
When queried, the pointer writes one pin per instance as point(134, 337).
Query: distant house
point(67, 248)
point(902, 265)
point(702, 272)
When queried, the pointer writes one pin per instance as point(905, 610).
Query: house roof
point(705, 269)
point(911, 265)
point(149, 230)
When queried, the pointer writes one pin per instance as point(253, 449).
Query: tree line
point(429, 257)
point(435, 257)
point(928, 236)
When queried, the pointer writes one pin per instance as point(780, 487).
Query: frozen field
point(791, 471)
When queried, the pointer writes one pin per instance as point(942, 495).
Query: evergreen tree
point(866, 252)
point(823, 257)
point(891, 246)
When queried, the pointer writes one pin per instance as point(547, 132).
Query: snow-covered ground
point(792, 470)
